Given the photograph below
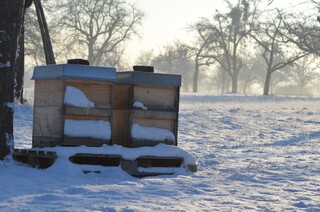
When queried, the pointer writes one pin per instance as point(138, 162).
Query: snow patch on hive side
point(87, 128)
point(151, 133)
point(75, 97)
point(139, 105)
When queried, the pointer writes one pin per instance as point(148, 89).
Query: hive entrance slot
point(159, 162)
point(95, 159)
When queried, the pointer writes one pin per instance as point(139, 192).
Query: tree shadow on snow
point(296, 140)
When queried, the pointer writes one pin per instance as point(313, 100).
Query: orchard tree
point(304, 32)
point(222, 80)
point(145, 58)
point(200, 51)
point(279, 79)
point(304, 72)
point(226, 34)
point(101, 28)
point(11, 21)
point(277, 50)
point(175, 59)
point(251, 72)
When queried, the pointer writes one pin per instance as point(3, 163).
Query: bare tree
point(222, 81)
point(304, 32)
point(145, 58)
point(251, 72)
point(33, 44)
point(275, 47)
point(304, 72)
point(226, 34)
point(101, 27)
point(33, 48)
point(175, 59)
point(11, 21)
point(46, 40)
point(279, 79)
point(201, 55)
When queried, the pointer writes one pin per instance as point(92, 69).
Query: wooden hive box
point(72, 105)
point(145, 110)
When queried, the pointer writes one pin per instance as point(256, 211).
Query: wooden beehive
point(159, 96)
point(52, 114)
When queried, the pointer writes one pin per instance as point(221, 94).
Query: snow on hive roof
point(75, 72)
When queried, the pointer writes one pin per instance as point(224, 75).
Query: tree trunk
point(224, 81)
point(267, 83)
point(46, 40)
point(195, 76)
point(185, 84)
point(246, 83)
point(20, 68)
point(6, 112)
point(234, 84)
point(11, 20)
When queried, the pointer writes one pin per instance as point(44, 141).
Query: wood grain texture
point(123, 96)
point(96, 91)
point(92, 142)
point(96, 111)
point(45, 141)
point(160, 123)
point(158, 97)
point(121, 127)
point(153, 114)
point(49, 92)
point(84, 117)
point(47, 121)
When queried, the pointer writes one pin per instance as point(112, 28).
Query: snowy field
point(254, 154)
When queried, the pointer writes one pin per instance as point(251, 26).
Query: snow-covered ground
point(254, 153)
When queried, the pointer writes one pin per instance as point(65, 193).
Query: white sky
point(166, 21)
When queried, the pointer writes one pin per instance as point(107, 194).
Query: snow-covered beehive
point(146, 106)
point(72, 105)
